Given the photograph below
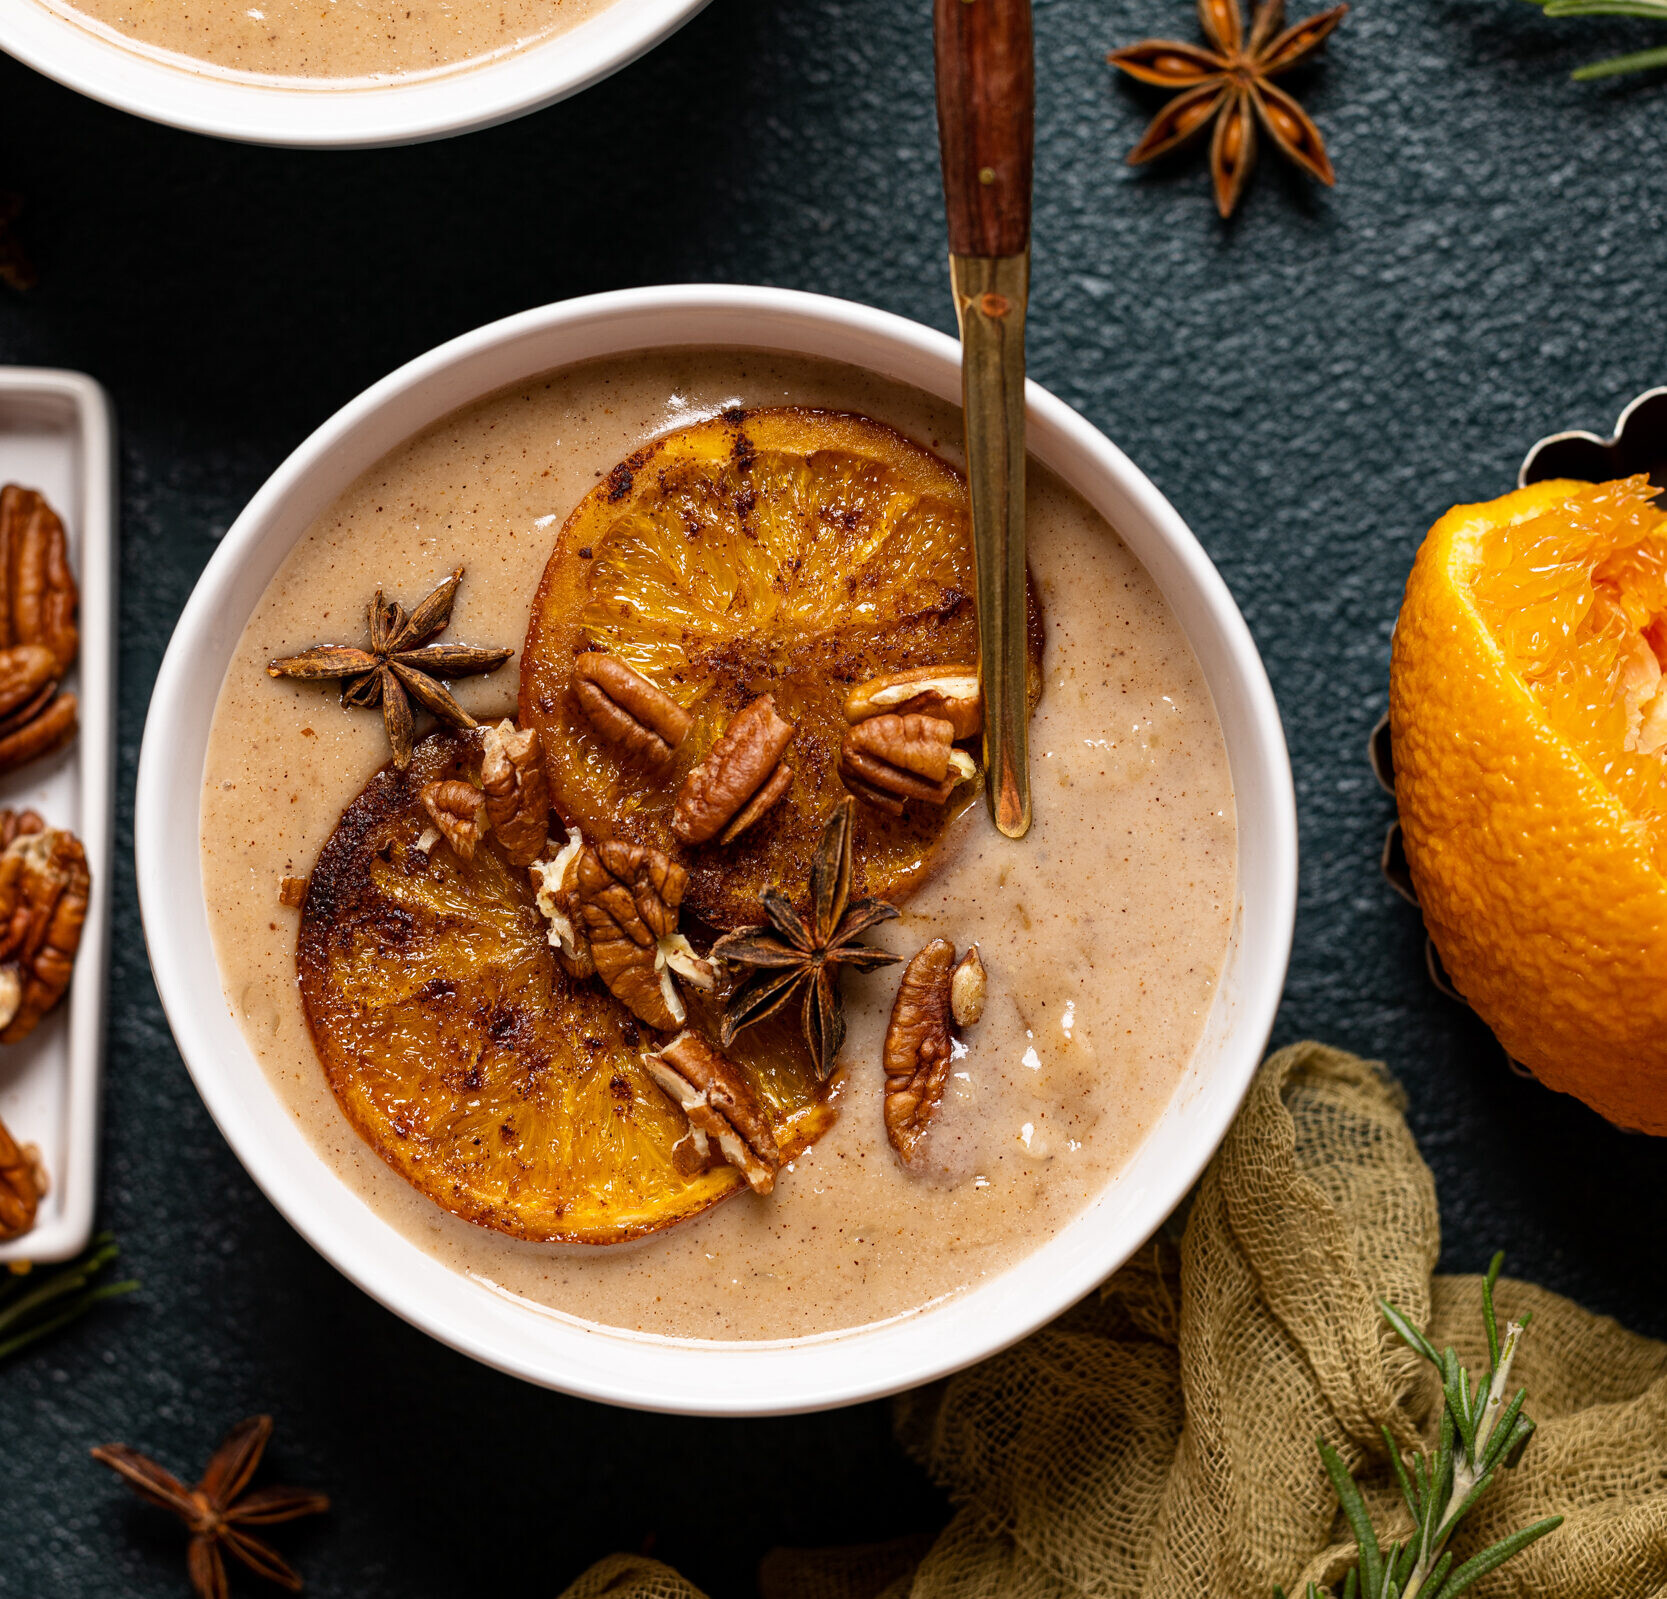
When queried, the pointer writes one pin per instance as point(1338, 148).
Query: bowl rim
point(175, 91)
point(686, 1376)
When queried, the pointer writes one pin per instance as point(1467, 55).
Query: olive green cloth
point(1159, 1438)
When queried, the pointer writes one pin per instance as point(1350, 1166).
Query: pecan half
point(721, 1107)
point(554, 889)
point(28, 678)
point(44, 887)
point(918, 1047)
point(38, 597)
point(779, 782)
point(14, 824)
point(951, 692)
point(11, 993)
point(517, 790)
point(627, 710)
point(22, 1185)
point(742, 767)
point(49, 729)
point(459, 811)
point(628, 897)
point(891, 759)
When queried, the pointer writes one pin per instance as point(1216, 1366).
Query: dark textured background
point(1311, 385)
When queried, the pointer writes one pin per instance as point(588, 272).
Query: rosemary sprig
point(1481, 1433)
point(1638, 60)
point(36, 1303)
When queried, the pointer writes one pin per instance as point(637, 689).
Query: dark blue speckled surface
point(1311, 385)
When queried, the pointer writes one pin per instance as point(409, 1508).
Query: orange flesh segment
point(1576, 599)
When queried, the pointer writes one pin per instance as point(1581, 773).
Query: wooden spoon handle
point(986, 122)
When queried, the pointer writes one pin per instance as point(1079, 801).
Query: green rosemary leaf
point(1605, 8)
point(1408, 1492)
point(1404, 1562)
point(1442, 1488)
point(1639, 61)
point(1521, 1433)
point(40, 1302)
point(11, 1346)
point(43, 1288)
point(1438, 1575)
point(23, 1288)
point(1409, 1334)
point(1494, 1556)
point(1351, 1583)
point(71, 1312)
point(1357, 1516)
point(1455, 1389)
point(1489, 1319)
point(1503, 1436)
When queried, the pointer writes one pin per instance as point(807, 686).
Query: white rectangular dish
point(57, 437)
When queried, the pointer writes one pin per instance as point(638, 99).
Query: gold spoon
point(986, 130)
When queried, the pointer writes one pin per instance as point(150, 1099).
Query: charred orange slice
point(506, 1091)
point(789, 552)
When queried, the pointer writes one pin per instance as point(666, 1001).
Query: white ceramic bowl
point(603, 1363)
point(185, 94)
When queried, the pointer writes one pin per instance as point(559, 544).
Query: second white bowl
point(185, 94)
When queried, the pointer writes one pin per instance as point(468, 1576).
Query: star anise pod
point(400, 665)
point(1230, 84)
point(218, 1510)
point(793, 956)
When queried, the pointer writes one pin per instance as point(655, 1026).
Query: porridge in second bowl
point(341, 40)
point(671, 975)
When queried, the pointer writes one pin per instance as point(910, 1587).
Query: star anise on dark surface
point(17, 271)
point(400, 665)
point(1230, 84)
point(795, 957)
point(218, 1510)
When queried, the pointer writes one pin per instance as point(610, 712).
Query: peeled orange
point(1529, 718)
point(785, 551)
point(506, 1091)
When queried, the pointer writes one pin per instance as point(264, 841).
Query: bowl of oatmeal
point(354, 74)
point(751, 1203)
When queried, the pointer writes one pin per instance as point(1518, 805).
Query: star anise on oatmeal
point(797, 957)
point(401, 665)
point(218, 1511)
point(1229, 83)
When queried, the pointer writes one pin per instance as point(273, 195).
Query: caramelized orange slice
point(507, 1092)
point(788, 552)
